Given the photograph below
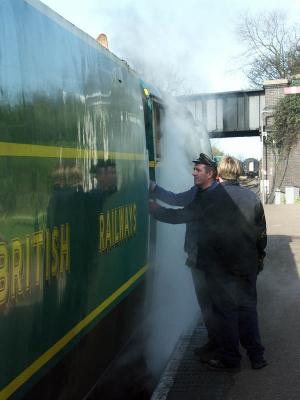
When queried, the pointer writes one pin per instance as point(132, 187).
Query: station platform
point(279, 317)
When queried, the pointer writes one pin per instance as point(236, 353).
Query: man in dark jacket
point(231, 246)
point(205, 172)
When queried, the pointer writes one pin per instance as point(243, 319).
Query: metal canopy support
point(233, 134)
point(228, 114)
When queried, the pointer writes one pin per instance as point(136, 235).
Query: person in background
point(204, 173)
point(231, 247)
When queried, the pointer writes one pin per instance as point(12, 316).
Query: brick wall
point(274, 91)
point(280, 172)
point(284, 171)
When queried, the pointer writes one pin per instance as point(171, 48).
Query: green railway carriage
point(76, 144)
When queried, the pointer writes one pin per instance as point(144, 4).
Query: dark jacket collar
point(230, 182)
point(212, 186)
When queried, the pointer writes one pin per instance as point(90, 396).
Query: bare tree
point(216, 151)
point(272, 46)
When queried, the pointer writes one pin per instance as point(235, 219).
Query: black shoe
point(206, 352)
point(205, 356)
point(218, 365)
point(258, 364)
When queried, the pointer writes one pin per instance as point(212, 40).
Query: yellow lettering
point(54, 239)
point(17, 268)
point(112, 227)
point(130, 207)
point(101, 233)
point(64, 247)
point(37, 242)
point(134, 218)
point(117, 225)
point(107, 233)
point(116, 229)
point(121, 222)
point(27, 263)
point(126, 230)
point(3, 273)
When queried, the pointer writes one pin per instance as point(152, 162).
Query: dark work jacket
point(182, 200)
point(231, 227)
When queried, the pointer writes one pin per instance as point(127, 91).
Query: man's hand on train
point(152, 186)
point(153, 206)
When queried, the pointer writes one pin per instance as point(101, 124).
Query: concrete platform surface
point(279, 316)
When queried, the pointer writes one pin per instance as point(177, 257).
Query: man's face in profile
point(201, 176)
point(106, 178)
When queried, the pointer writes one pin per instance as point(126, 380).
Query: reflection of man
point(57, 207)
point(231, 244)
point(105, 174)
point(204, 179)
point(66, 221)
point(67, 205)
point(106, 184)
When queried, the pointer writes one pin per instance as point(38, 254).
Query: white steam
point(174, 305)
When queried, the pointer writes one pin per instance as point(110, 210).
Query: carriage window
point(158, 112)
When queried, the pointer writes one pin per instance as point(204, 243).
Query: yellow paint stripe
point(33, 150)
point(50, 353)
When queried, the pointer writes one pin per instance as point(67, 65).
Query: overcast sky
point(191, 42)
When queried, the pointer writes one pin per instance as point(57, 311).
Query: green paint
point(77, 103)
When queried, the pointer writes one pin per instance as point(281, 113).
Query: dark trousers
point(234, 302)
point(205, 302)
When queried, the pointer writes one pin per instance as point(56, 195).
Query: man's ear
point(210, 174)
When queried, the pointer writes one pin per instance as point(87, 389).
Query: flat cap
point(204, 159)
